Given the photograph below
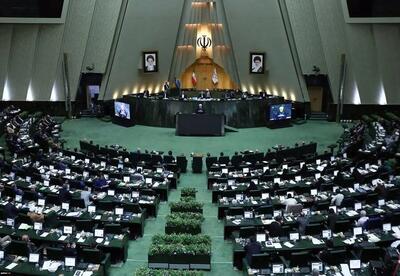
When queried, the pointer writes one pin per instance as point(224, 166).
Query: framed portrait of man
point(150, 62)
point(257, 63)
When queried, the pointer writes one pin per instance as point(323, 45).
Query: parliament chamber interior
point(199, 137)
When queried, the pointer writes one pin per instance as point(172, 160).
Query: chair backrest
point(324, 205)
point(371, 253)
point(132, 207)
point(265, 210)
point(254, 193)
point(77, 202)
point(223, 160)
point(29, 195)
point(53, 199)
point(373, 223)
point(23, 218)
point(113, 228)
point(105, 205)
point(19, 248)
point(181, 161)
point(259, 261)
point(337, 256)
point(342, 226)
point(148, 192)
point(55, 254)
point(235, 211)
point(247, 232)
point(300, 258)
point(93, 256)
point(85, 225)
point(313, 229)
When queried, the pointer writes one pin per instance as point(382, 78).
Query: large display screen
point(31, 8)
point(122, 110)
point(373, 8)
point(279, 112)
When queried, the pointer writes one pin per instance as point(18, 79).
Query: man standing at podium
point(200, 109)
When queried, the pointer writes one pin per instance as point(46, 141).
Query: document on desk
point(44, 234)
point(87, 273)
point(99, 240)
point(267, 221)
point(316, 241)
point(277, 245)
point(373, 238)
point(11, 266)
point(81, 240)
point(74, 214)
point(62, 238)
point(236, 221)
point(288, 244)
point(345, 269)
point(351, 213)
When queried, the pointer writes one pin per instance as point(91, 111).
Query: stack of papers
point(351, 213)
point(236, 221)
point(11, 266)
point(316, 241)
point(288, 244)
point(51, 266)
point(24, 226)
point(373, 238)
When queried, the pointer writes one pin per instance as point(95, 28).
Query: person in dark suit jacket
point(200, 109)
point(64, 194)
point(275, 228)
point(10, 211)
point(332, 218)
point(303, 221)
point(70, 250)
point(252, 248)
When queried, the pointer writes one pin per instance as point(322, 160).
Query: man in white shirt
point(337, 198)
point(86, 196)
point(289, 201)
point(363, 219)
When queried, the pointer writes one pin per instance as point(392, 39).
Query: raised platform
point(238, 113)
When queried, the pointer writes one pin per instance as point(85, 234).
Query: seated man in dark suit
point(64, 194)
point(254, 247)
point(332, 218)
point(275, 228)
point(100, 183)
point(10, 211)
point(200, 109)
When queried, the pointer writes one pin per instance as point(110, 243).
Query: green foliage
point(180, 244)
point(186, 206)
point(144, 271)
point(188, 192)
point(185, 222)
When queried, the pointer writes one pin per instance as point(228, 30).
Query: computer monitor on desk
point(278, 268)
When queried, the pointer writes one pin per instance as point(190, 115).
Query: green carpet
point(164, 139)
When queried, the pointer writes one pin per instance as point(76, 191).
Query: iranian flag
point(194, 79)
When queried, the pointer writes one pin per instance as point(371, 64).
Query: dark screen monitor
point(279, 112)
point(31, 8)
point(122, 110)
point(373, 8)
